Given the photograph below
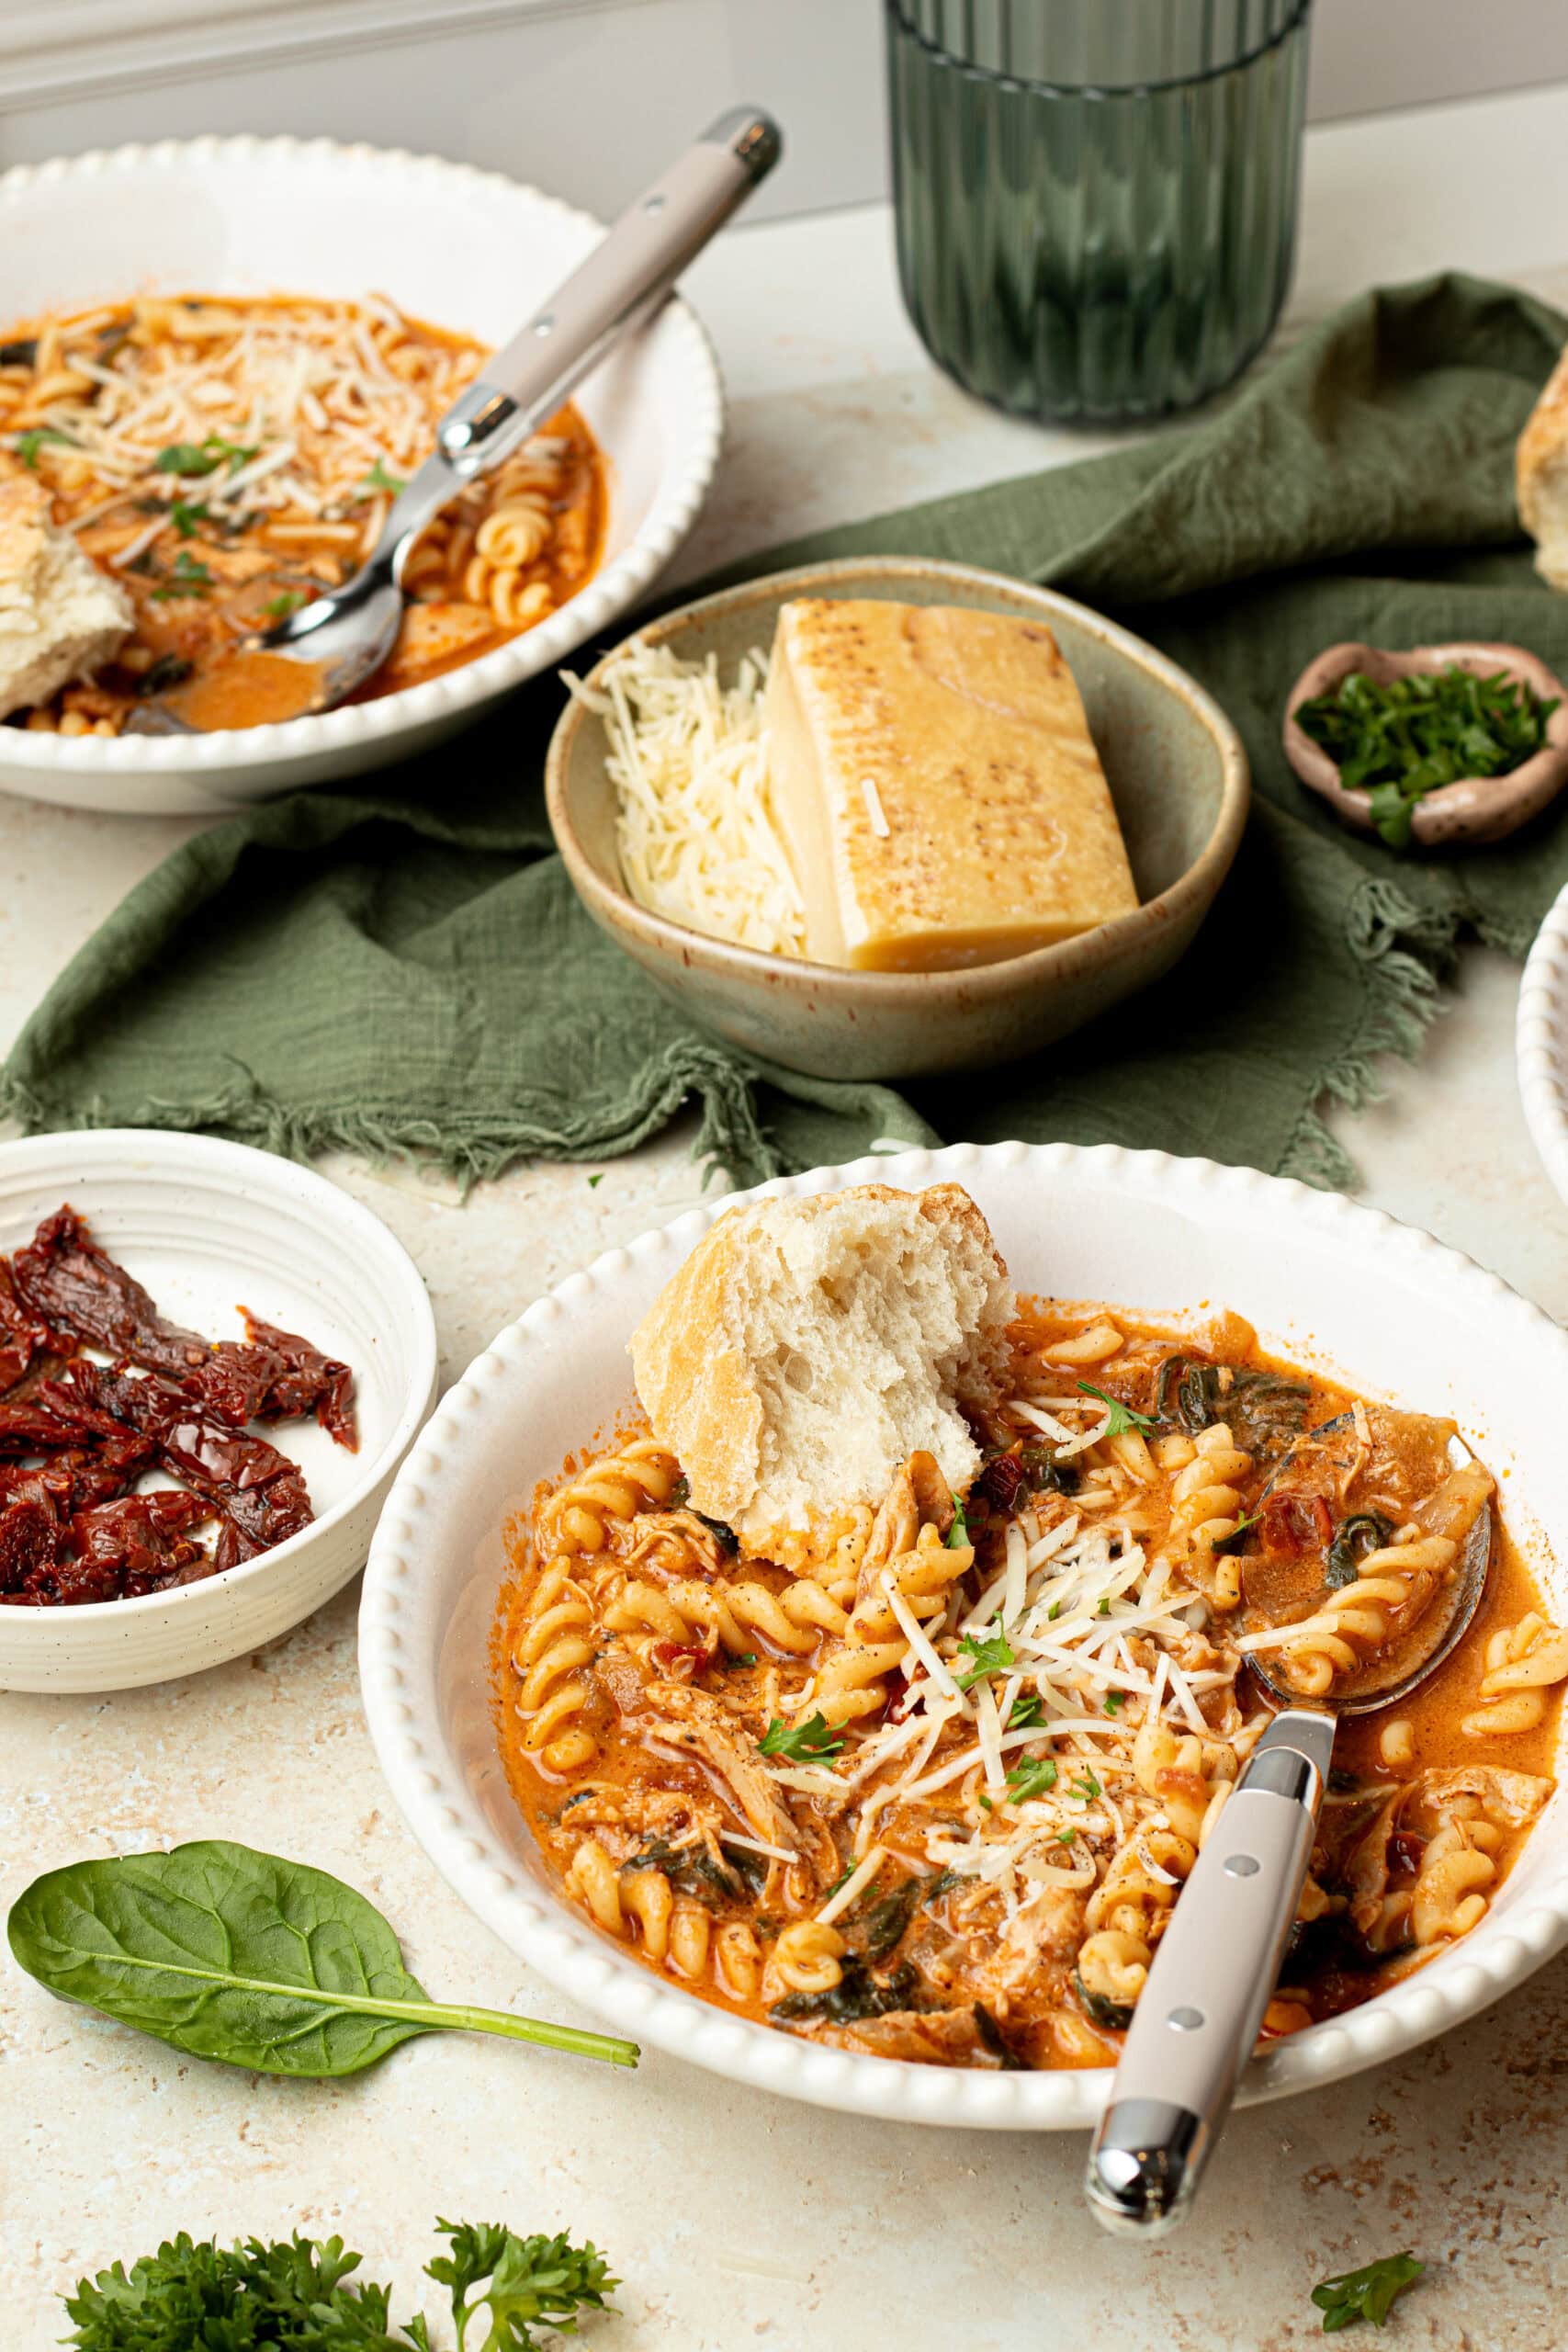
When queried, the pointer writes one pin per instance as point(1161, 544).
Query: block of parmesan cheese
point(937, 787)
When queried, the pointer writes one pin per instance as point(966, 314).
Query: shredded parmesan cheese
point(698, 835)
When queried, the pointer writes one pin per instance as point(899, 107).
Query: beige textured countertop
point(736, 2219)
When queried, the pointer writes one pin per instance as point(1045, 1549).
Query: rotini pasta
point(225, 460)
point(938, 1799)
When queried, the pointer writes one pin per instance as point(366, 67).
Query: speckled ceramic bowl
point(1177, 774)
point(1476, 809)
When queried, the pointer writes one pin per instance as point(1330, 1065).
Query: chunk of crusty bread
point(807, 1346)
point(60, 616)
point(1540, 468)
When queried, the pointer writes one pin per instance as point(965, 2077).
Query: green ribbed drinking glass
point(1096, 199)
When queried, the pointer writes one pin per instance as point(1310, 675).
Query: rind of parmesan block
point(937, 786)
point(60, 616)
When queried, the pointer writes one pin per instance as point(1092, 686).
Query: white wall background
point(589, 97)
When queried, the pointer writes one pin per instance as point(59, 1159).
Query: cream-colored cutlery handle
point(1208, 1987)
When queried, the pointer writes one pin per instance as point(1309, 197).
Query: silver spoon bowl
point(345, 634)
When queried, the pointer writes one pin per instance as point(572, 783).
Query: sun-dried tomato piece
point(29, 1541)
point(312, 1383)
point(63, 1275)
point(140, 1542)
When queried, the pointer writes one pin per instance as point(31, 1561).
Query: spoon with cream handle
point(1214, 1968)
point(345, 634)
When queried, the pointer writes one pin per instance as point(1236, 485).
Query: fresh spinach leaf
point(245, 1958)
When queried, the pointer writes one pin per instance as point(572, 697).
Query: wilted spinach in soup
point(936, 1799)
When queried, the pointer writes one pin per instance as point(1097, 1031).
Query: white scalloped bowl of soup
point(507, 1642)
point(220, 357)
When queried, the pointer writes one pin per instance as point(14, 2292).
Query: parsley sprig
point(189, 578)
point(1368, 2294)
point(1122, 1417)
point(958, 1533)
point(29, 443)
point(302, 2291)
point(807, 1742)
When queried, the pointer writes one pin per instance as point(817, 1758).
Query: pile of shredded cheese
point(698, 837)
point(322, 397)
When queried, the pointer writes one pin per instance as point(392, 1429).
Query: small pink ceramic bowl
point(1457, 815)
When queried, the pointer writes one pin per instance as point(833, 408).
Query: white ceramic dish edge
point(398, 1677)
point(1540, 1044)
point(122, 1645)
point(309, 749)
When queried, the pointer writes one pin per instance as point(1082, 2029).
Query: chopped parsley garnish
point(1228, 1542)
point(990, 1654)
point(186, 514)
point(195, 458)
point(380, 479)
point(842, 1879)
point(806, 1743)
point(745, 1657)
point(958, 1533)
point(1122, 1417)
point(1085, 1789)
point(1031, 1778)
point(29, 443)
point(1067, 1837)
point(1028, 1709)
point(1114, 1702)
point(599, 1178)
point(1054, 1613)
point(1104, 1609)
point(1398, 742)
point(189, 578)
point(1365, 2294)
point(284, 606)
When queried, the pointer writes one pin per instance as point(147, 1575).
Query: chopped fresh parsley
point(1028, 1709)
point(1365, 2294)
point(1067, 1837)
point(1404, 739)
point(958, 1533)
point(195, 458)
point(1104, 1609)
point(1122, 1417)
point(1053, 1612)
point(599, 1178)
point(745, 1657)
point(188, 514)
point(1085, 1789)
point(1031, 1778)
point(29, 444)
point(990, 1654)
point(1114, 1702)
point(806, 1743)
point(842, 1879)
point(1228, 1542)
point(189, 578)
point(284, 606)
point(380, 479)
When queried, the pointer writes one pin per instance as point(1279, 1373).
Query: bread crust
point(1541, 474)
point(688, 1361)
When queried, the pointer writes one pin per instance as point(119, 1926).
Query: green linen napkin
point(404, 966)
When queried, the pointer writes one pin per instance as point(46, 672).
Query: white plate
point(1541, 1042)
point(206, 1227)
point(462, 248)
point(1326, 1282)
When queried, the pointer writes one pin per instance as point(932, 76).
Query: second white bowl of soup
point(219, 358)
point(529, 1553)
